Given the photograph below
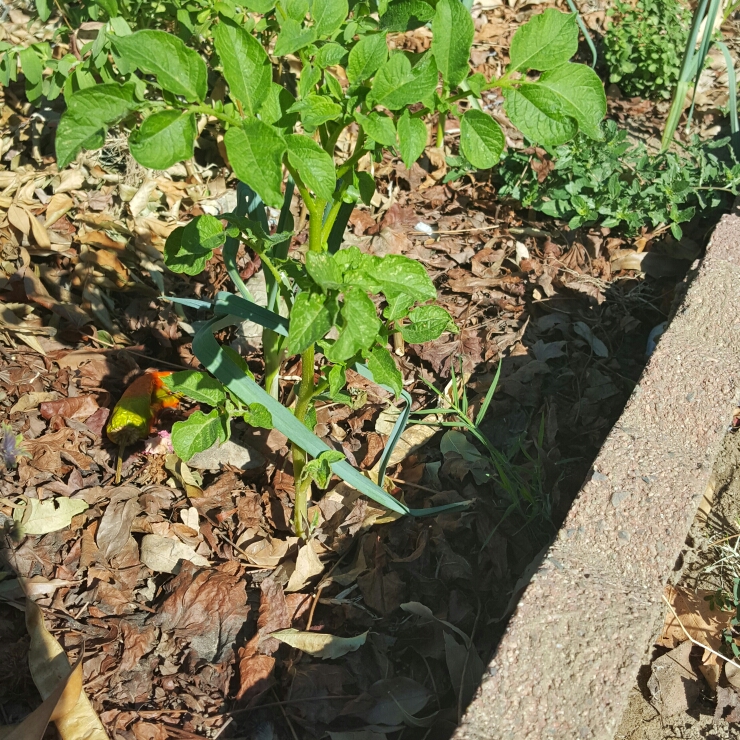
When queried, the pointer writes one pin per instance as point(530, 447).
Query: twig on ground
point(696, 642)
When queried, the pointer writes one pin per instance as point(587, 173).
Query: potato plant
point(341, 305)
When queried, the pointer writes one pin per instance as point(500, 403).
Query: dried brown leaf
point(77, 407)
point(307, 566)
point(206, 608)
point(115, 526)
point(49, 665)
point(382, 592)
point(137, 642)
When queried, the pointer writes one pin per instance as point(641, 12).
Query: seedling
point(341, 306)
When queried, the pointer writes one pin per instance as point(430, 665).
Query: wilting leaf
point(584, 330)
point(49, 666)
point(465, 667)
point(307, 566)
point(115, 526)
point(165, 555)
point(320, 645)
point(42, 517)
point(389, 701)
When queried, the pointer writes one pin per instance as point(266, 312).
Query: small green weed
point(619, 184)
point(720, 600)
point(521, 486)
point(643, 46)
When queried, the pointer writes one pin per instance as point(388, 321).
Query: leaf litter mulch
point(173, 583)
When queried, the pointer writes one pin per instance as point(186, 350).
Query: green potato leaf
point(366, 57)
point(328, 16)
point(360, 326)
point(163, 139)
point(412, 138)
point(546, 41)
point(397, 84)
point(324, 270)
point(178, 69)
point(381, 364)
point(293, 37)
point(197, 433)
point(247, 68)
point(540, 114)
point(314, 165)
point(481, 139)
point(453, 31)
point(256, 154)
point(406, 15)
point(426, 323)
point(196, 385)
point(581, 94)
point(310, 320)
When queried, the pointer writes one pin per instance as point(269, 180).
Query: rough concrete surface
point(573, 648)
point(641, 720)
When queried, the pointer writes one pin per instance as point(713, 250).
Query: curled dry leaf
point(307, 566)
point(115, 526)
point(64, 698)
point(29, 401)
point(59, 204)
point(320, 645)
point(42, 517)
point(206, 609)
point(49, 666)
point(269, 553)
point(166, 555)
point(703, 624)
point(77, 407)
point(184, 476)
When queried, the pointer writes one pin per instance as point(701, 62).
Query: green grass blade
point(731, 84)
point(706, 42)
point(227, 303)
point(584, 31)
point(687, 74)
point(398, 427)
point(489, 395)
point(189, 302)
point(219, 364)
point(336, 235)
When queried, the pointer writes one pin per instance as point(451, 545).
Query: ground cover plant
point(620, 184)
point(268, 130)
point(643, 46)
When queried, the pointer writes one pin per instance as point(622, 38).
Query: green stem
point(315, 232)
point(441, 129)
point(331, 142)
point(311, 203)
point(358, 152)
point(302, 486)
point(208, 111)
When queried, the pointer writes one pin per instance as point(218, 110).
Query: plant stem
point(307, 390)
point(209, 111)
point(302, 486)
point(356, 154)
point(315, 231)
point(441, 129)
